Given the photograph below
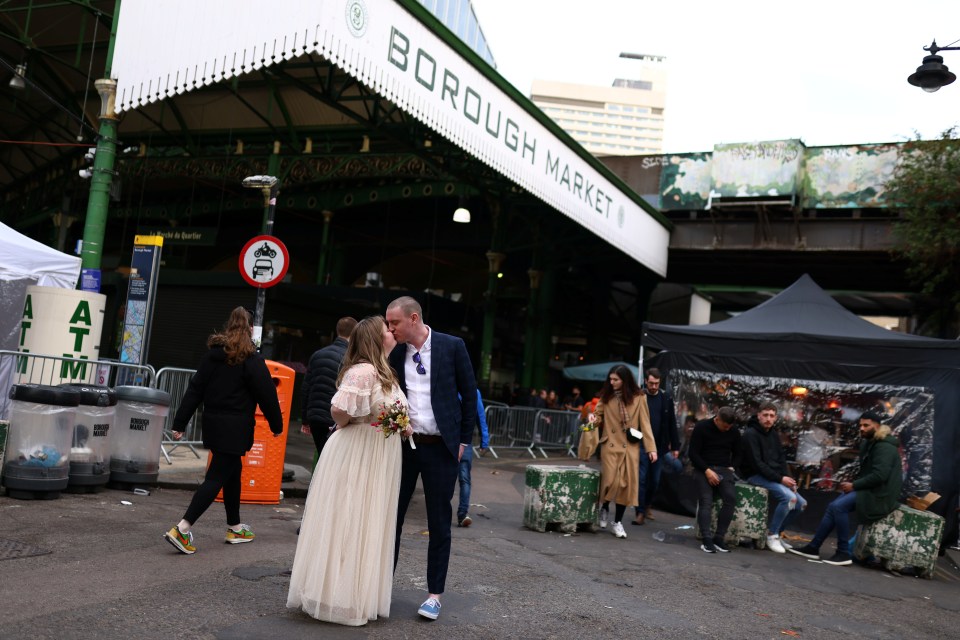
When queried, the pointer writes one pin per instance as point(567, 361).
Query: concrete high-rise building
point(622, 120)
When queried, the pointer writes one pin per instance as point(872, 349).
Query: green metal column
point(324, 248)
point(530, 334)
point(542, 338)
point(494, 262)
point(95, 224)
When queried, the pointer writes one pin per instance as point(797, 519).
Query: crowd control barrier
point(174, 381)
point(556, 430)
point(32, 368)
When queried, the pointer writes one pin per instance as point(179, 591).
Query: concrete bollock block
point(904, 538)
point(750, 514)
point(561, 496)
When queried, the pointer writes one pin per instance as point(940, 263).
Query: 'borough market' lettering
point(467, 102)
point(579, 186)
point(139, 424)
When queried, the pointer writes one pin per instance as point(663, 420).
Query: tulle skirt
point(343, 567)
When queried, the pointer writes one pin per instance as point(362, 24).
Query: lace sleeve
point(353, 394)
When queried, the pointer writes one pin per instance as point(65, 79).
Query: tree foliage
point(926, 189)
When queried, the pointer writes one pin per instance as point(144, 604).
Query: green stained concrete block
point(904, 538)
point(749, 516)
point(558, 495)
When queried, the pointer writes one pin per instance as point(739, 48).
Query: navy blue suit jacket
point(451, 378)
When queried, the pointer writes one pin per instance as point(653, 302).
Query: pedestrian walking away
point(320, 383)
point(231, 381)
point(437, 377)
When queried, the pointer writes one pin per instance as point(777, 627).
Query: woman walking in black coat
point(231, 381)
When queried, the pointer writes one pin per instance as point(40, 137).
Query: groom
point(435, 373)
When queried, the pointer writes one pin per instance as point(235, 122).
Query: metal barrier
point(532, 430)
point(174, 381)
point(556, 429)
point(512, 427)
point(34, 368)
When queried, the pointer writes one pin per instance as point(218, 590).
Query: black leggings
point(223, 473)
point(619, 510)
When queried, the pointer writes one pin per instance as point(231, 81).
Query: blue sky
point(826, 72)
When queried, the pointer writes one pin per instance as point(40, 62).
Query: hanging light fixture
point(462, 214)
point(17, 82)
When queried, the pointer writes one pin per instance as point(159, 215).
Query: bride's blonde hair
point(366, 345)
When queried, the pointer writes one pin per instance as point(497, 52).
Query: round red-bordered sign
point(264, 261)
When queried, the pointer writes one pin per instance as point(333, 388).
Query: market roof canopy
point(178, 46)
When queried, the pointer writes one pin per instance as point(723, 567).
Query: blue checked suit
point(451, 378)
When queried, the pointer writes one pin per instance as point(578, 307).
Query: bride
point(343, 567)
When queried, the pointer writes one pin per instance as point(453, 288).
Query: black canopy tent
point(803, 333)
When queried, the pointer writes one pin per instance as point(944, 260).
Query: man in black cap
point(874, 494)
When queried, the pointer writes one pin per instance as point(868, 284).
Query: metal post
point(270, 187)
point(95, 224)
point(494, 260)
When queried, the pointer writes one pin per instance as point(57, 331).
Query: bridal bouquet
point(392, 419)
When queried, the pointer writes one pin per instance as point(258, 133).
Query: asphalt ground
point(105, 572)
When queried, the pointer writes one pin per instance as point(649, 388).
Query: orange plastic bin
point(263, 464)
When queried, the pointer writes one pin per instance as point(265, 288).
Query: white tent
point(24, 262)
point(24, 259)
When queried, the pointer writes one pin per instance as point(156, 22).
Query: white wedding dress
point(343, 567)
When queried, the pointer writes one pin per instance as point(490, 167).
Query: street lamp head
point(932, 74)
point(259, 182)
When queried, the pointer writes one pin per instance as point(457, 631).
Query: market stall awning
point(398, 50)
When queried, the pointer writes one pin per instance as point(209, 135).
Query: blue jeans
point(649, 481)
point(836, 516)
point(465, 464)
point(789, 503)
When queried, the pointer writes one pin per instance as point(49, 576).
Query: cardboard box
point(922, 503)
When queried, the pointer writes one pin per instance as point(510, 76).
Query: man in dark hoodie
point(320, 384)
point(874, 494)
point(765, 465)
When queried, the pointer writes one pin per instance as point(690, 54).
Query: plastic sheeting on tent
point(804, 334)
point(25, 262)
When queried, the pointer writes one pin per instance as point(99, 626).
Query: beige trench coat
point(619, 458)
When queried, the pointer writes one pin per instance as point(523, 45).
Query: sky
point(825, 72)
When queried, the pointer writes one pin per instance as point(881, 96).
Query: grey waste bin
point(36, 463)
point(90, 450)
point(138, 431)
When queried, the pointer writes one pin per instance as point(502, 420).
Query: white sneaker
point(785, 544)
point(773, 543)
point(618, 530)
point(604, 516)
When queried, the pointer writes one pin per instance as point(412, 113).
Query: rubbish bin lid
point(92, 395)
point(143, 394)
point(45, 394)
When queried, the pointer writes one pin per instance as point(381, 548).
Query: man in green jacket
point(873, 495)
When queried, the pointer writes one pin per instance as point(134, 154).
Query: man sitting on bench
point(873, 495)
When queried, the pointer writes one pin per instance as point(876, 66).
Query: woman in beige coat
point(622, 406)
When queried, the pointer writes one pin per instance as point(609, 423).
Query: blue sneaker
point(430, 609)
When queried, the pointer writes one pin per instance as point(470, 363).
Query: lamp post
point(933, 74)
point(269, 187)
